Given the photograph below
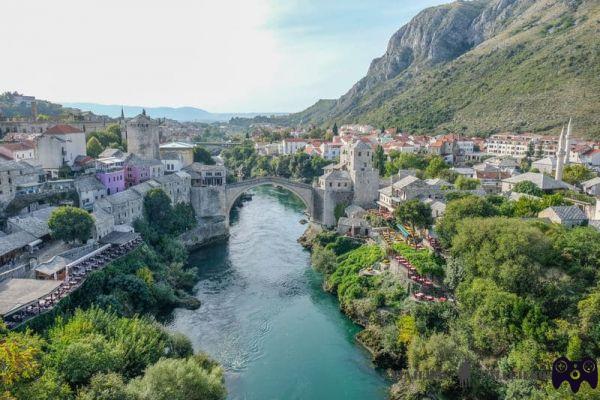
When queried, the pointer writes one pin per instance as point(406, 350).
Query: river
point(265, 317)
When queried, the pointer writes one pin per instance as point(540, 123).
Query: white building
point(291, 146)
point(58, 146)
point(24, 150)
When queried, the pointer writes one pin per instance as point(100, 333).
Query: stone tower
point(365, 177)
point(142, 136)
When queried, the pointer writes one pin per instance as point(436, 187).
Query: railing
point(270, 179)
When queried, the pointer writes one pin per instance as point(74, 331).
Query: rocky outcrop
point(208, 231)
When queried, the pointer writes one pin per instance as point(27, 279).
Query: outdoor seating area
point(425, 297)
point(425, 283)
point(75, 277)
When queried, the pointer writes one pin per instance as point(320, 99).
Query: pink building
point(110, 172)
point(138, 170)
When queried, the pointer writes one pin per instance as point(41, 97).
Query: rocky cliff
point(481, 66)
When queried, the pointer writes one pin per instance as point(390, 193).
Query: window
point(330, 184)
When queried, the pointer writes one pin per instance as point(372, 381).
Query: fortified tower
point(365, 177)
point(143, 137)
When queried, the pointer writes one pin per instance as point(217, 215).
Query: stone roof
point(345, 221)
point(360, 144)
point(437, 182)
point(119, 238)
point(337, 175)
point(567, 213)
point(53, 266)
point(549, 161)
point(353, 211)
point(485, 167)
point(592, 182)
point(515, 196)
point(109, 152)
point(15, 241)
point(542, 181)
point(101, 216)
point(145, 187)
point(35, 223)
point(11, 165)
point(87, 183)
point(408, 181)
point(386, 191)
point(124, 196)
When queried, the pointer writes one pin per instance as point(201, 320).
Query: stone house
point(592, 186)
point(59, 146)
point(89, 189)
point(138, 170)
point(568, 216)
point(543, 182)
point(111, 172)
point(185, 150)
point(19, 177)
point(23, 150)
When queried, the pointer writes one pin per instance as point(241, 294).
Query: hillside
point(481, 67)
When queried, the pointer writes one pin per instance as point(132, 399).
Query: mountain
point(481, 67)
point(176, 113)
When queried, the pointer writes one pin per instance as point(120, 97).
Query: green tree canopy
point(457, 210)
point(158, 210)
point(577, 173)
point(183, 379)
point(94, 147)
point(464, 183)
point(71, 223)
point(203, 156)
point(414, 213)
point(528, 187)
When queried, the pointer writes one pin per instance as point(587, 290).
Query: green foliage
point(577, 173)
point(457, 210)
point(463, 183)
point(423, 260)
point(158, 209)
point(183, 379)
point(414, 213)
point(71, 223)
point(94, 147)
point(246, 163)
point(379, 160)
point(400, 161)
point(528, 187)
point(106, 386)
point(203, 156)
point(435, 167)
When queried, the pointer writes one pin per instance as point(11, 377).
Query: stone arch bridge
point(304, 191)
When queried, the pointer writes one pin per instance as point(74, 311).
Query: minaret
point(560, 156)
point(568, 144)
point(122, 114)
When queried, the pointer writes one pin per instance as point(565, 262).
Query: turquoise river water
point(265, 317)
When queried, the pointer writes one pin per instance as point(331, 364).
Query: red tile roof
point(62, 129)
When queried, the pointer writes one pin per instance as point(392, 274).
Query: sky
point(220, 55)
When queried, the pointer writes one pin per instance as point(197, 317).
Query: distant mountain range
point(181, 114)
point(480, 67)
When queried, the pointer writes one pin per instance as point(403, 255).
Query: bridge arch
point(302, 190)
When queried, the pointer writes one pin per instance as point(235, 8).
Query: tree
point(415, 213)
point(457, 210)
point(528, 187)
point(183, 379)
point(94, 147)
point(106, 386)
point(464, 183)
point(379, 160)
point(158, 210)
point(203, 156)
point(323, 260)
point(577, 173)
point(335, 129)
point(435, 166)
point(71, 223)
